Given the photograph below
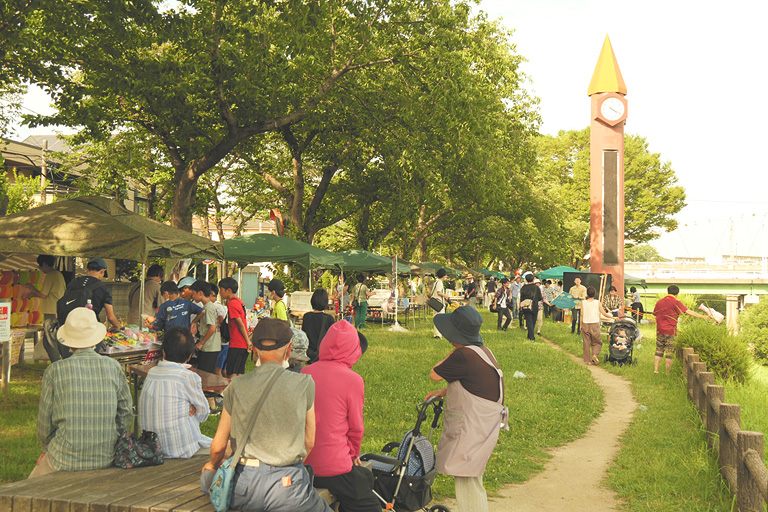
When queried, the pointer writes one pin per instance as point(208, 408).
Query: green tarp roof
point(434, 267)
point(489, 273)
point(555, 272)
point(277, 249)
point(359, 260)
point(92, 226)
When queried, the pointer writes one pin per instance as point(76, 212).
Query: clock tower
point(606, 167)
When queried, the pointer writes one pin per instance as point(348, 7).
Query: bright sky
point(694, 73)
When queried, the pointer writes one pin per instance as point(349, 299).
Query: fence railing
point(740, 452)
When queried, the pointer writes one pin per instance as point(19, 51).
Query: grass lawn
point(664, 463)
point(553, 405)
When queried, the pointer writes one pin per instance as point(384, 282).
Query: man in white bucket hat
point(84, 400)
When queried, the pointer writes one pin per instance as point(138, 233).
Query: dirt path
point(572, 478)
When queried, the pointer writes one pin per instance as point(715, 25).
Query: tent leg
point(239, 283)
point(141, 295)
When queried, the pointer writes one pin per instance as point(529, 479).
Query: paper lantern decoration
point(23, 277)
point(35, 304)
point(6, 278)
point(15, 305)
point(6, 291)
point(35, 317)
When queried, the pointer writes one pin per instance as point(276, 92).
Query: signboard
point(152, 356)
point(207, 262)
point(5, 321)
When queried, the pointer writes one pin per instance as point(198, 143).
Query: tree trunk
point(183, 200)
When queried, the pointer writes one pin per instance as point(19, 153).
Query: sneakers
point(595, 360)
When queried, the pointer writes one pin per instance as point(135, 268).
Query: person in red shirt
point(239, 342)
point(667, 311)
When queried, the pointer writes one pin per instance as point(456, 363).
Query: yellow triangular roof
point(607, 76)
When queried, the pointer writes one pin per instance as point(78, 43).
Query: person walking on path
point(474, 406)
point(579, 293)
point(438, 292)
point(490, 289)
point(591, 339)
point(515, 292)
point(530, 297)
point(503, 300)
point(470, 292)
point(360, 296)
point(667, 311)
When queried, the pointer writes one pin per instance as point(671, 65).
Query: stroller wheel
point(439, 508)
point(605, 358)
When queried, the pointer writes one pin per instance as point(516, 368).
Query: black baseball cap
point(275, 285)
point(273, 329)
point(100, 263)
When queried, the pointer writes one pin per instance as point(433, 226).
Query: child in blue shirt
point(174, 311)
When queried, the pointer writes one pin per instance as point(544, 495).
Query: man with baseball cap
point(84, 401)
point(474, 406)
point(270, 475)
point(78, 293)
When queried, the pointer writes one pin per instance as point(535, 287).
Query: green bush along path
point(663, 463)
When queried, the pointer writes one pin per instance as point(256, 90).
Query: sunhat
point(462, 326)
point(186, 281)
point(82, 329)
point(299, 345)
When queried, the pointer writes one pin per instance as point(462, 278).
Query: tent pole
point(343, 281)
point(239, 283)
point(141, 295)
point(397, 290)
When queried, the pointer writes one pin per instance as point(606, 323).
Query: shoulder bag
point(433, 302)
point(223, 483)
point(355, 302)
point(132, 452)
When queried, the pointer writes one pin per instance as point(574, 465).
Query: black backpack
point(224, 327)
point(76, 297)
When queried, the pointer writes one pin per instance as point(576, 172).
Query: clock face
point(612, 108)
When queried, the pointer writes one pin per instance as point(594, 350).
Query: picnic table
point(210, 381)
point(172, 487)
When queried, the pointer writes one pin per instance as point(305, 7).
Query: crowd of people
point(306, 432)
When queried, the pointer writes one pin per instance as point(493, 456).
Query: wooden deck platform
point(171, 487)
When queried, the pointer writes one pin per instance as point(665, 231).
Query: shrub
point(727, 356)
point(754, 329)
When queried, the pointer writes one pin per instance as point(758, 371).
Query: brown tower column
point(606, 167)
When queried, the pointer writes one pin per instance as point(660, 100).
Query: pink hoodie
point(339, 398)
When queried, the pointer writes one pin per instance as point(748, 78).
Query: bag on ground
point(133, 452)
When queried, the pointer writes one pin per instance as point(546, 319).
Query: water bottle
point(89, 304)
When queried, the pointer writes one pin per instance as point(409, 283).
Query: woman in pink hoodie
point(339, 397)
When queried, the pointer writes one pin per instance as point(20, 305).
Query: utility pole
point(43, 173)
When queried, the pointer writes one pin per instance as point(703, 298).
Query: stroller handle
point(437, 403)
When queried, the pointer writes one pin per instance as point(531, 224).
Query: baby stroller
point(622, 336)
point(404, 482)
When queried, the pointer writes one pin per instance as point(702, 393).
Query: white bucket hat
point(82, 329)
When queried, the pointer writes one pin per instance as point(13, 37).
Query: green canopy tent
point(634, 281)
point(277, 249)
point(555, 272)
point(359, 260)
point(490, 273)
point(434, 267)
point(93, 226)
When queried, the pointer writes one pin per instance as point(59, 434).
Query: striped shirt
point(164, 403)
point(84, 400)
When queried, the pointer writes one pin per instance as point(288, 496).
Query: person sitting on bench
point(172, 403)
point(84, 401)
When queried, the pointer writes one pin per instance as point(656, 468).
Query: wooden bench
point(172, 487)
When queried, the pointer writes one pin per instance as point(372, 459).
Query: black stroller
point(404, 482)
point(622, 336)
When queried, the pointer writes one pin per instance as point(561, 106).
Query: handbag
point(526, 304)
point(355, 302)
point(493, 308)
point(223, 482)
point(133, 452)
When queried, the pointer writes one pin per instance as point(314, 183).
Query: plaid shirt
point(611, 302)
point(164, 403)
point(84, 400)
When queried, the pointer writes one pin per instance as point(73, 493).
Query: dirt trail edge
point(572, 478)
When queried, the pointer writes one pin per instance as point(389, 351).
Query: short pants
point(236, 359)
point(221, 361)
point(665, 344)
